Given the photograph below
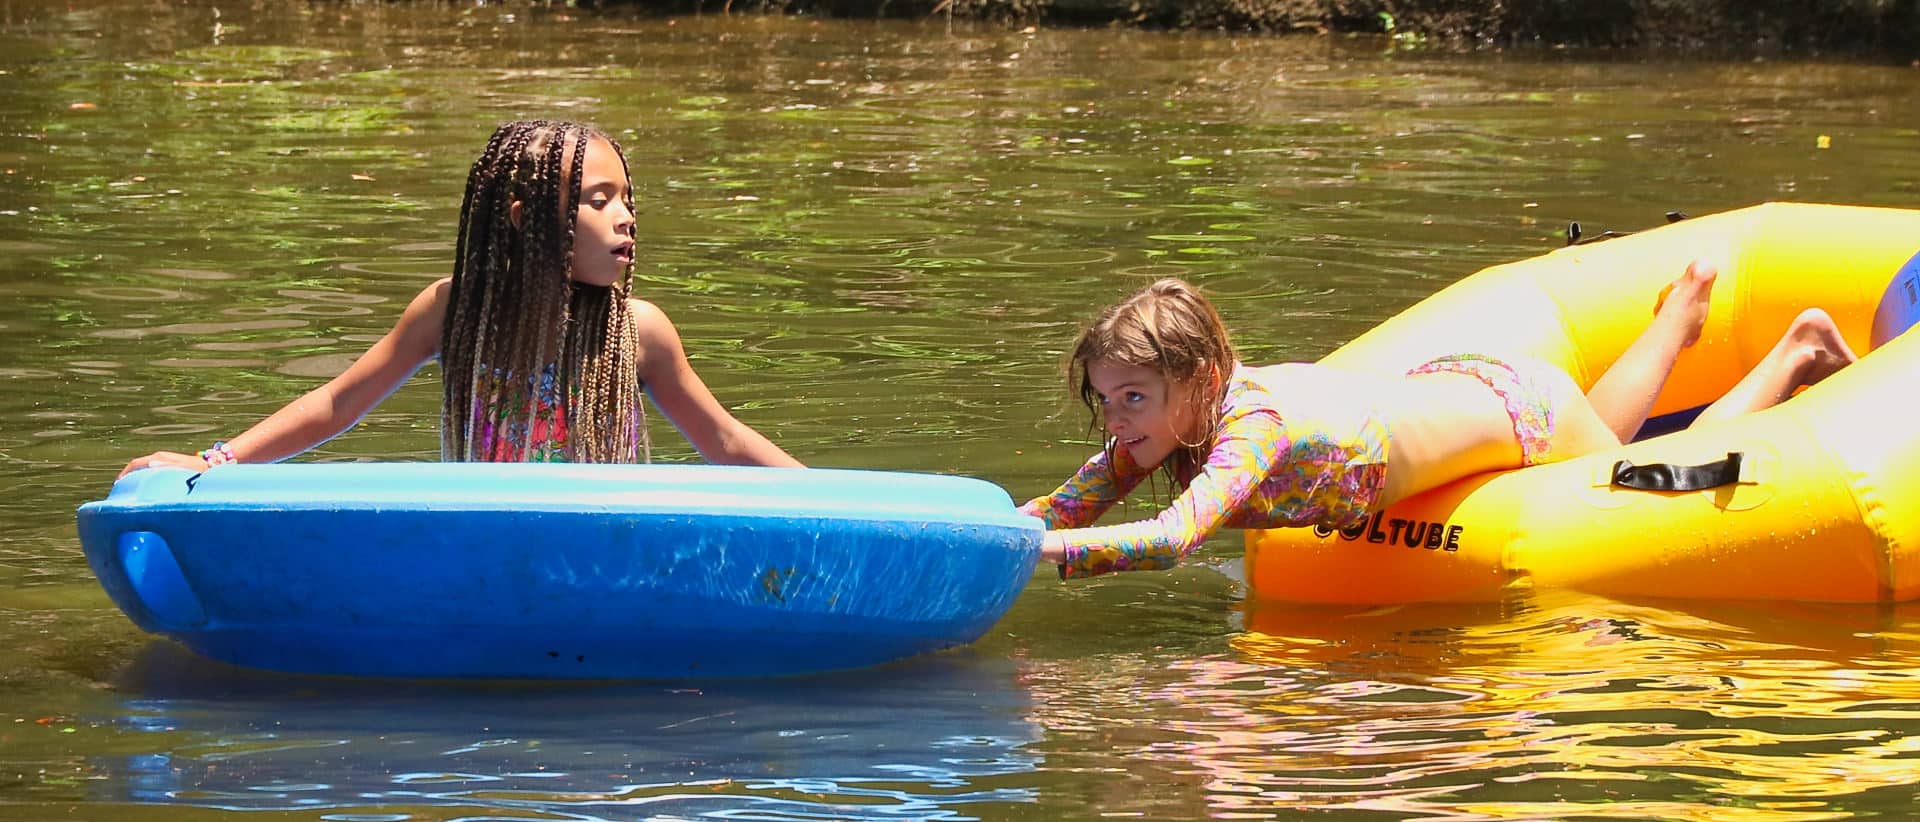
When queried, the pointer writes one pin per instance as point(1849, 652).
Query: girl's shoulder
point(1289, 389)
point(440, 291)
point(417, 333)
point(1305, 395)
point(1300, 377)
point(432, 301)
point(648, 318)
point(641, 306)
point(654, 329)
point(1252, 385)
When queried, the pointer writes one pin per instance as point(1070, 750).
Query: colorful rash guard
point(1319, 457)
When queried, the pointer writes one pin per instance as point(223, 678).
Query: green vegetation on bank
point(1886, 27)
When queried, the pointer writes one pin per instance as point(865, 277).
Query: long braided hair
point(1172, 328)
point(516, 318)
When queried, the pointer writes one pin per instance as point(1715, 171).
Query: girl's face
point(603, 228)
point(1144, 412)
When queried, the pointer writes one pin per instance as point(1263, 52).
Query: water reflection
point(1558, 707)
point(927, 738)
point(875, 239)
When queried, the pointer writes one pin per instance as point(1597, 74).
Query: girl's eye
point(1135, 397)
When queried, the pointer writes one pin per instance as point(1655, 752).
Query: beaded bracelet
point(220, 454)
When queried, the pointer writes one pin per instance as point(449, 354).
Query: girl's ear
point(513, 215)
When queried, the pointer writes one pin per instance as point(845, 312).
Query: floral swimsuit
point(543, 438)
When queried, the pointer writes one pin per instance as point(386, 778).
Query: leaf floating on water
point(1823, 141)
point(85, 106)
point(363, 177)
point(1190, 160)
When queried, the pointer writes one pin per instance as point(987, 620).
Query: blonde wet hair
point(1173, 329)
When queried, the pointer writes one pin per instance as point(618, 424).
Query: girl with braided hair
point(543, 351)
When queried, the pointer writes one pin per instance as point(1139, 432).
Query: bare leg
point(1810, 351)
point(1624, 395)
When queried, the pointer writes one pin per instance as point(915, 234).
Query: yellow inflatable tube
point(1827, 502)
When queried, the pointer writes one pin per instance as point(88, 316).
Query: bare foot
point(1817, 346)
point(1684, 301)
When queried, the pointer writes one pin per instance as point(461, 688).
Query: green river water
point(876, 238)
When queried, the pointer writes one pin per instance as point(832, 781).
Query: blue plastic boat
point(578, 571)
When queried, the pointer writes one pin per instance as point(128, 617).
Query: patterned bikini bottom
point(1527, 395)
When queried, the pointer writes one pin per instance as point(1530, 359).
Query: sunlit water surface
point(875, 239)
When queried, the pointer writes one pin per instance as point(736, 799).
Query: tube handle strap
point(1660, 476)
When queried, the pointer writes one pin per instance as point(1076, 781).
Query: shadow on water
point(919, 739)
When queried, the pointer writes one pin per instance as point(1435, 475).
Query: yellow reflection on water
point(1562, 705)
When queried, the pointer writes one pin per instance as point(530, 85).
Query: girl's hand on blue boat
point(168, 459)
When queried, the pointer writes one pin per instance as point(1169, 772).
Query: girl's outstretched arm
point(1104, 480)
point(679, 393)
point(1246, 448)
point(324, 412)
